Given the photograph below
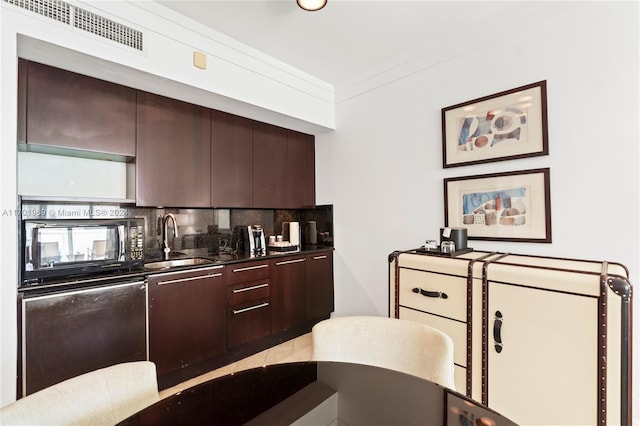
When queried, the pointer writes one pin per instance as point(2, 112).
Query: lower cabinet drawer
point(247, 271)
point(454, 329)
point(441, 294)
point(248, 321)
point(245, 292)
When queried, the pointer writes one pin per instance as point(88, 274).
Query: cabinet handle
point(426, 293)
point(286, 262)
point(497, 332)
point(180, 280)
point(250, 308)
point(253, 287)
point(250, 268)
point(319, 257)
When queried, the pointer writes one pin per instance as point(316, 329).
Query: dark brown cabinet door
point(231, 161)
point(319, 281)
point(79, 331)
point(70, 110)
point(173, 155)
point(269, 166)
point(187, 321)
point(22, 100)
point(288, 293)
point(301, 177)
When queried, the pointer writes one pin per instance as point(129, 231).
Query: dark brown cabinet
point(258, 165)
point(301, 177)
point(248, 302)
point(248, 312)
point(284, 168)
point(74, 332)
point(288, 293)
point(231, 160)
point(173, 153)
point(187, 321)
point(319, 283)
point(185, 155)
point(62, 109)
point(22, 101)
point(269, 166)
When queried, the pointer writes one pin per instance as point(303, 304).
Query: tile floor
point(298, 349)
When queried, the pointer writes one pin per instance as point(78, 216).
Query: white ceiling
point(349, 39)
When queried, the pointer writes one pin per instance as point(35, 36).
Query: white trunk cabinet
point(541, 340)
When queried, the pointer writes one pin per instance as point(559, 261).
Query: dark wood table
point(282, 393)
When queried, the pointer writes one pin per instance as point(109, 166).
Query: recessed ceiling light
point(311, 5)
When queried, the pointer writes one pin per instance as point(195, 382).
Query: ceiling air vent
point(106, 28)
point(54, 9)
point(83, 20)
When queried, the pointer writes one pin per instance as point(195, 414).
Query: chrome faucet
point(165, 230)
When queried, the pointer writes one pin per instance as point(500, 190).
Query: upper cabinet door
point(301, 176)
point(173, 153)
point(231, 161)
point(69, 110)
point(22, 100)
point(269, 166)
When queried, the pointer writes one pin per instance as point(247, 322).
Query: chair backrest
point(390, 343)
point(101, 397)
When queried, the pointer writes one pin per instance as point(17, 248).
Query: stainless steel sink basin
point(164, 264)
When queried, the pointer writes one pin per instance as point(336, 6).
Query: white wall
point(382, 167)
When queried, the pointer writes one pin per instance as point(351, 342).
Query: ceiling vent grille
point(54, 9)
point(83, 20)
point(103, 27)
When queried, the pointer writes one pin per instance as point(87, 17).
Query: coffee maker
point(249, 239)
point(257, 245)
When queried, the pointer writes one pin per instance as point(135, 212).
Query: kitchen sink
point(164, 264)
point(176, 254)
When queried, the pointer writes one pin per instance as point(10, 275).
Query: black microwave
point(59, 248)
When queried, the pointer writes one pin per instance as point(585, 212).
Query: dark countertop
point(225, 258)
point(228, 256)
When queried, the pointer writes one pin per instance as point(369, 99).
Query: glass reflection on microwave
point(57, 245)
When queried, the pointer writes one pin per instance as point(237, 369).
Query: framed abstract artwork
point(503, 126)
point(509, 206)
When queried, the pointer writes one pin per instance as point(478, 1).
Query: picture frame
point(509, 206)
point(503, 126)
point(464, 411)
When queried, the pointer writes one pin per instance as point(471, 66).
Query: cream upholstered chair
point(390, 343)
point(101, 397)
